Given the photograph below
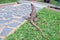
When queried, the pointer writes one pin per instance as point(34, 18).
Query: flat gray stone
point(14, 24)
point(8, 16)
point(1, 38)
point(21, 19)
point(5, 31)
point(4, 21)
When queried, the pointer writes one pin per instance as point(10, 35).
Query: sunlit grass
point(7, 1)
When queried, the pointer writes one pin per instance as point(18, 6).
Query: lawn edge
point(15, 29)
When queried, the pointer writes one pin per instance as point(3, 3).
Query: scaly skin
point(33, 18)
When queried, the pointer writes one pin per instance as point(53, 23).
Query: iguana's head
point(32, 6)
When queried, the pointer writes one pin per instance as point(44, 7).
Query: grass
point(48, 21)
point(7, 1)
point(51, 2)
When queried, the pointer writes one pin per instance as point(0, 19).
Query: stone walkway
point(11, 17)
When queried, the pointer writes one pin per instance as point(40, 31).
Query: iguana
point(33, 17)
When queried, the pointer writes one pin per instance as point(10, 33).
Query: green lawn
point(48, 21)
point(52, 2)
point(7, 1)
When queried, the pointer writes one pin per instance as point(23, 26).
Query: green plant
point(7, 1)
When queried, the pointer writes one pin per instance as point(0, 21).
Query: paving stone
point(21, 19)
point(1, 10)
point(14, 18)
point(1, 38)
point(1, 18)
point(2, 14)
point(14, 24)
point(18, 14)
point(8, 20)
point(2, 25)
point(5, 31)
point(11, 13)
point(7, 16)
point(9, 8)
point(4, 21)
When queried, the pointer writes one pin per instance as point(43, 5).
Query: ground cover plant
point(51, 2)
point(7, 1)
point(48, 21)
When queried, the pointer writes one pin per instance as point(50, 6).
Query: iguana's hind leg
point(35, 18)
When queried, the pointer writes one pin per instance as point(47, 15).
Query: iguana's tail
point(40, 30)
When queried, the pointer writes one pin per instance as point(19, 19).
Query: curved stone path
point(11, 17)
